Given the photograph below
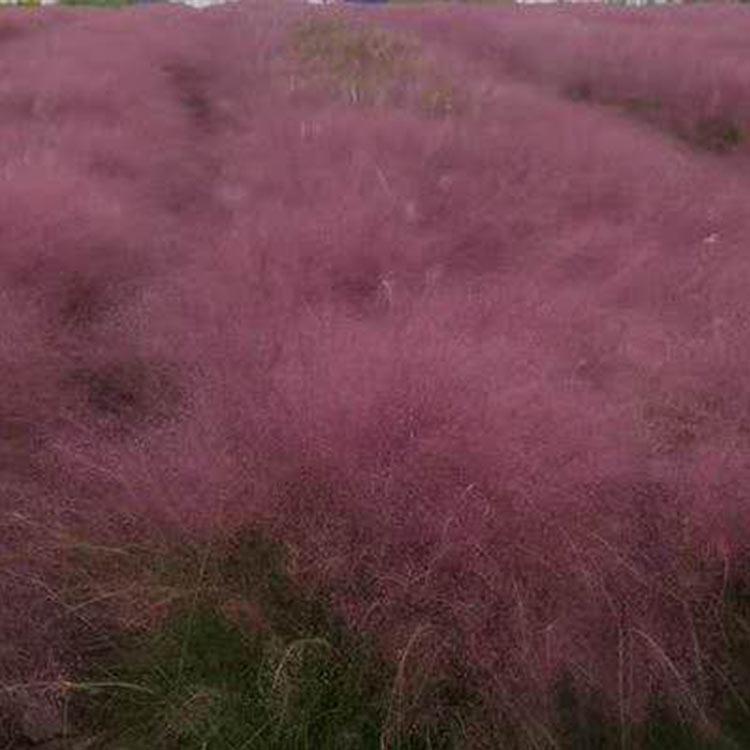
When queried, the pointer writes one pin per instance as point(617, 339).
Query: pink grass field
point(485, 372)
point(687, 68)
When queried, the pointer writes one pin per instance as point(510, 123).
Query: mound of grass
point(243, 658)
point(465, 460)
point(368, 66)
point(201, 681)
point(244, 661)
point(362, 63)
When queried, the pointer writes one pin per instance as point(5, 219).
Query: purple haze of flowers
point(487, 372)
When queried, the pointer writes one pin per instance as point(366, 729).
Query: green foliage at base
point(297, 679)
point(201, 682)
point(246, 659)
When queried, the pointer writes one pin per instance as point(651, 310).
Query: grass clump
point(201, 681)
point(243, 657)
point(368, 66)
point(364, 64)
point(244, 660)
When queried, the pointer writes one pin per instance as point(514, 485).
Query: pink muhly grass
point(650, 63)
point(482, 372)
